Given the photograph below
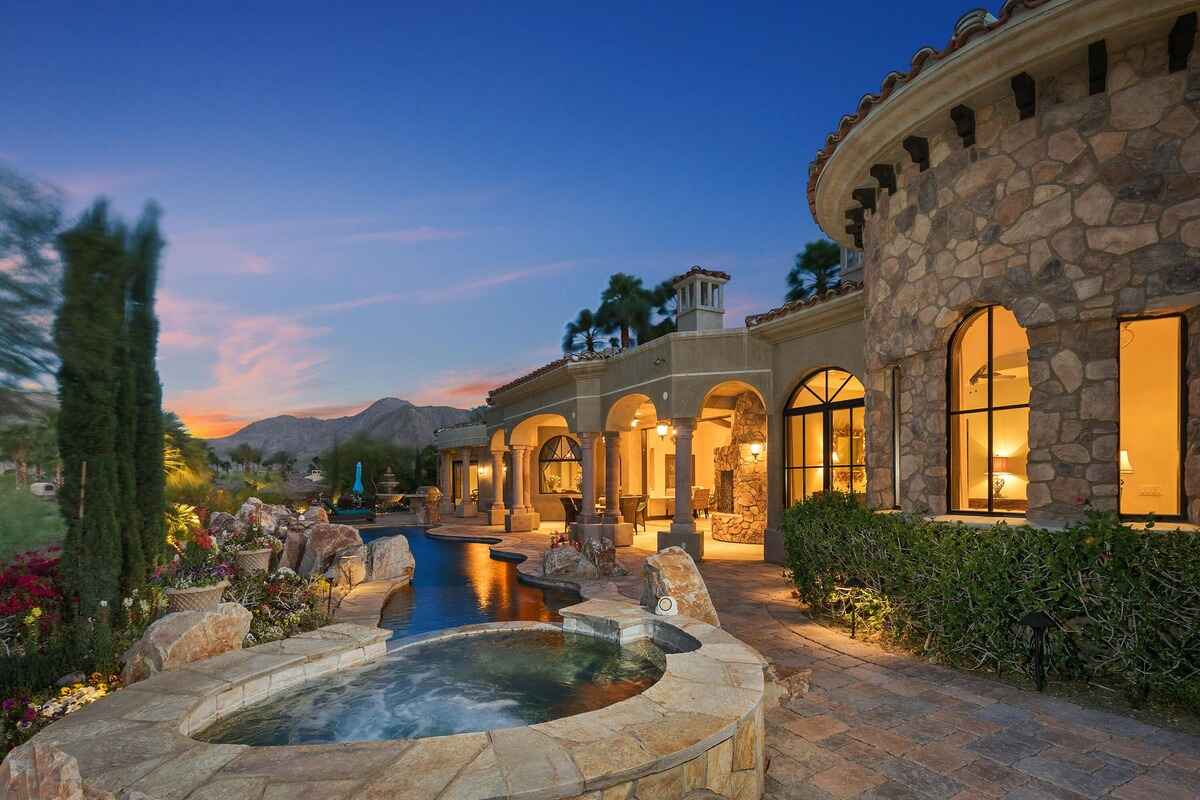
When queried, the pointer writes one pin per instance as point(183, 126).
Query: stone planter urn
point(252, 562)
point(199, 598)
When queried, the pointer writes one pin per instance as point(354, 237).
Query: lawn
point(26, 522)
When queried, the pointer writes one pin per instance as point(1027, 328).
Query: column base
point(684, 536)
point(621, 533)
point(586, 531)
point(496, 515)
point(465, 510)
point(517, 521)
point(774, 551)
point(445, 505)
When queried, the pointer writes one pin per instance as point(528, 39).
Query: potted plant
point(252, 549)
point(196, 578)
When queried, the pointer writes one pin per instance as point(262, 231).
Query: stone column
point(587, 455)
point(496, 512)
point(683, 529)
point(446, 481)
point(527, 465)
point(466, 508)
point(612, 478)
point(519, 517)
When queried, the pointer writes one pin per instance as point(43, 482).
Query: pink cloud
point(423, 233)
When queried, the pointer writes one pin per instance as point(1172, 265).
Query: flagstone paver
point(885, 726)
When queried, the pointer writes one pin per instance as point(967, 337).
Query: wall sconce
point(482, 471)
point(1126, 466)
point(634, 424)
point(661, 429)
point(756, 449)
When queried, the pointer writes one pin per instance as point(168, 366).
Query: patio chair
point(571, 509)
point(700, 501)
point(639, 514)
point(629, 507)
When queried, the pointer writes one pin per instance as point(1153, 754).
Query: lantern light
point(661, 429)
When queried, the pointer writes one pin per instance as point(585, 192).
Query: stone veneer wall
point(1081, 215)
point(749, 518)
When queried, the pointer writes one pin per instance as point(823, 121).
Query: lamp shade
point(1126, 464)
point(1000, 464)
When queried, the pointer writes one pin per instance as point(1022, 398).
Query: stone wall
point(749, 517)
point(1081, 215)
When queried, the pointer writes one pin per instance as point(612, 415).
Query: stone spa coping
point(699, 727)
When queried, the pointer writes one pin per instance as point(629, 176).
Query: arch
point(727, 389)
point(987, 414)
point(631, 411)
point(526, 431)
point(496, 440)
point(825, 435)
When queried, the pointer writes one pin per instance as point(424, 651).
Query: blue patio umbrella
point(358, 487)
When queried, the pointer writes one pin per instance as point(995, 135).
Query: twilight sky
point(412, 200)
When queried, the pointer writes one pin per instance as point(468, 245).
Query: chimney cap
point(703, 271)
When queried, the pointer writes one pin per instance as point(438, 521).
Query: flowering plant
point(22, 715)
point(282, 604)
point(196, 563)
point(251, 538)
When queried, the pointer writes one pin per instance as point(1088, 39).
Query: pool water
point(459, 583)
point(467, 683)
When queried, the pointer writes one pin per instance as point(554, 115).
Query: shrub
point(281, 605)
point(1126, 603)
point(26, 522)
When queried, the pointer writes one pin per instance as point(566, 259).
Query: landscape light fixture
point(1038, 621)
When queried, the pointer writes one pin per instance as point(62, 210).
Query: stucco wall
point(1081, 215)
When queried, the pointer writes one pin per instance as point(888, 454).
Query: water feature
point(459, 583)
point(455, 685)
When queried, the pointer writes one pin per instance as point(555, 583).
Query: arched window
point(989, 414)
point(560, 466)
point(825, 442)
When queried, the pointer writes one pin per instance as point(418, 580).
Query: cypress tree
point(145, 249)
point(133, 561)
point(86, 334)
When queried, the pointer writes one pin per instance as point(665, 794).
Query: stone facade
point(1084, 214)
point(748, 518)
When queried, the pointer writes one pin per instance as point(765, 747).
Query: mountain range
point(390, 419)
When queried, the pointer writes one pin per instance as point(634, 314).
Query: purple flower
point(8, 704)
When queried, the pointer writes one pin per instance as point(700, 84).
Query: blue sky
point(411, 200)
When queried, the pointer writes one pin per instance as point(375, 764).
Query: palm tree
point(662, 299)
point(625, 305)
point(816, 270)
point(582, 333)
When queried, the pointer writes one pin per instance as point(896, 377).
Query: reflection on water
point(476, 683)
point(458, 583)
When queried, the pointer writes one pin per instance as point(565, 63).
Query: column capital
point(521, 446)
point(682, 424)
point(612, 436)
point(588, 438)
point(498, 452)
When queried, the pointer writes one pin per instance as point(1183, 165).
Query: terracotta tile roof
point(843, 288)
point(569, 358)
point(970, 26)
point(698, 270)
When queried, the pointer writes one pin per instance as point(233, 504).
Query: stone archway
point(739, 464)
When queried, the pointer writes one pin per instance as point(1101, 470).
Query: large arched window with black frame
point(826, 445)
point(560, 466)
point(988, 414)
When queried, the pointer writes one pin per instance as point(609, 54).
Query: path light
point(661, 429)
point(1039, 621)
point(854, 583)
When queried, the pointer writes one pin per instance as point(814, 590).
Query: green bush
point(1126, 603)
point(26, 522)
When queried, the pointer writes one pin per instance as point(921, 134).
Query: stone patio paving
point(881, 726)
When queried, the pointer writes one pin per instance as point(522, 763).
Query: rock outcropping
point(184, 637)
point(672, 572)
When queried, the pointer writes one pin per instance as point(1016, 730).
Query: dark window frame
point(576, 457)
point(826, 410)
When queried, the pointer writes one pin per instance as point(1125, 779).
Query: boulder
point(293, 549)
point(222, 524)
point(313, 515)
point(184, 637)
point(390, 558)
point(249, 509)
point(348, 567)
point(673, 572)
point(565, 561)
point(36, 771)
point(603, 554)
point(324, 540)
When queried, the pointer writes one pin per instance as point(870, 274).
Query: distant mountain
point(389, 419)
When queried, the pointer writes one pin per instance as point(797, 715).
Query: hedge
point(1126, 603)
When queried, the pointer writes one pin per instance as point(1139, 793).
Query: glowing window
point(1150, 456)
point(825, 439)
point(989, 414)
point(560, 466)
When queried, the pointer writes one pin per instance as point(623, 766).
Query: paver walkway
point(889, 727)
point(878, 725)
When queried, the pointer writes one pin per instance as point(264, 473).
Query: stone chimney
point(700, 299)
